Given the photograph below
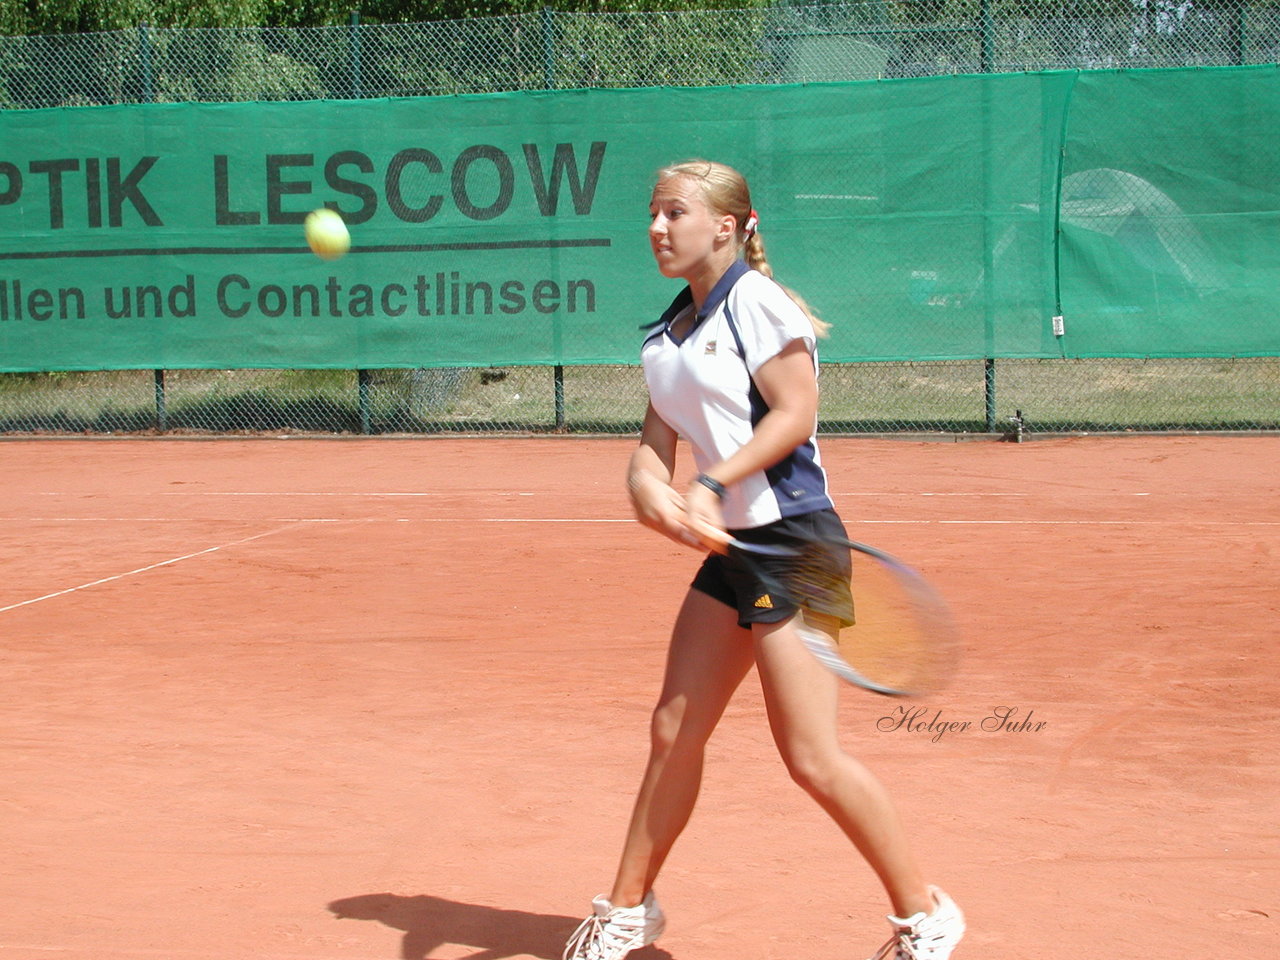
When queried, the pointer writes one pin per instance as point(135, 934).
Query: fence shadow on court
point(429, 922)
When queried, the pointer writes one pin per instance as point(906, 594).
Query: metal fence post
point(162, 410)
point(989, 391)
point(986, 64)
point(548, 48)
point(986, 38)
point(356, 91)
point(549, 83)
point(147, 94)
point(364, 383)
point(1237, 33)
point(353, 54)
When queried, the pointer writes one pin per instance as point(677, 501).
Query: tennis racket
point(865, 614)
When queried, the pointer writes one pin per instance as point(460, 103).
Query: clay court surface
point(294, 699)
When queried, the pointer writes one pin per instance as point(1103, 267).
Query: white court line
point(153, 566)
point(848, 521)
point(125, 952)
point(1074, 522)
point(321, 520)
point(287, 493)
point(856, 523)
point(839, 495)
point(921, 493)
point(290, 493)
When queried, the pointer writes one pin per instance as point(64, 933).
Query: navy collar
point(736, 271)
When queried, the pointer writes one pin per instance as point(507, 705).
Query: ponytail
point(753, 254)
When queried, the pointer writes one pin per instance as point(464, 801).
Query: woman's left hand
point(704, 518)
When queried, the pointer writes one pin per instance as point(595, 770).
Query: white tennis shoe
point(610, 933)
point(925, 936)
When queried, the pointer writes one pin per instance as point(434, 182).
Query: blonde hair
point(724, 190)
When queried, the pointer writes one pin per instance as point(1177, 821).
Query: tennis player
point(732, 367)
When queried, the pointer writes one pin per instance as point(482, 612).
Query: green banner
point(1170, 214)
point(947, 217)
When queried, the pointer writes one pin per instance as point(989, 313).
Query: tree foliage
point(30, 17)
point(506, 45)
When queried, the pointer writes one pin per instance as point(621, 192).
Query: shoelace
point(600, 938)
point(898, 947)
point(904, 944)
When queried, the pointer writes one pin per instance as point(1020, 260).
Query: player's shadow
point(430, 922)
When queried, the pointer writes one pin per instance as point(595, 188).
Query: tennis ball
point(327, 235)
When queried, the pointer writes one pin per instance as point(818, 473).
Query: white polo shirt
point(702, 388)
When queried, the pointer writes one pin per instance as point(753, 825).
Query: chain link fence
point(1014, 398)
point(547, 50)
point(778, 44)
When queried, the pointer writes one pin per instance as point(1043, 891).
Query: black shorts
point(722, 577)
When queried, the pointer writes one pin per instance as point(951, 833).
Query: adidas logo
point(764, 602)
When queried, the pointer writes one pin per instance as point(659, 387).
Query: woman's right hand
point(659, 506)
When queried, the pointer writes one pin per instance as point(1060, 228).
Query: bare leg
point(709, 656)
point(801, 698)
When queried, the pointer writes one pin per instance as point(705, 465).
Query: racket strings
point(898, 642)
point(901, 642)
point(818, 580)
